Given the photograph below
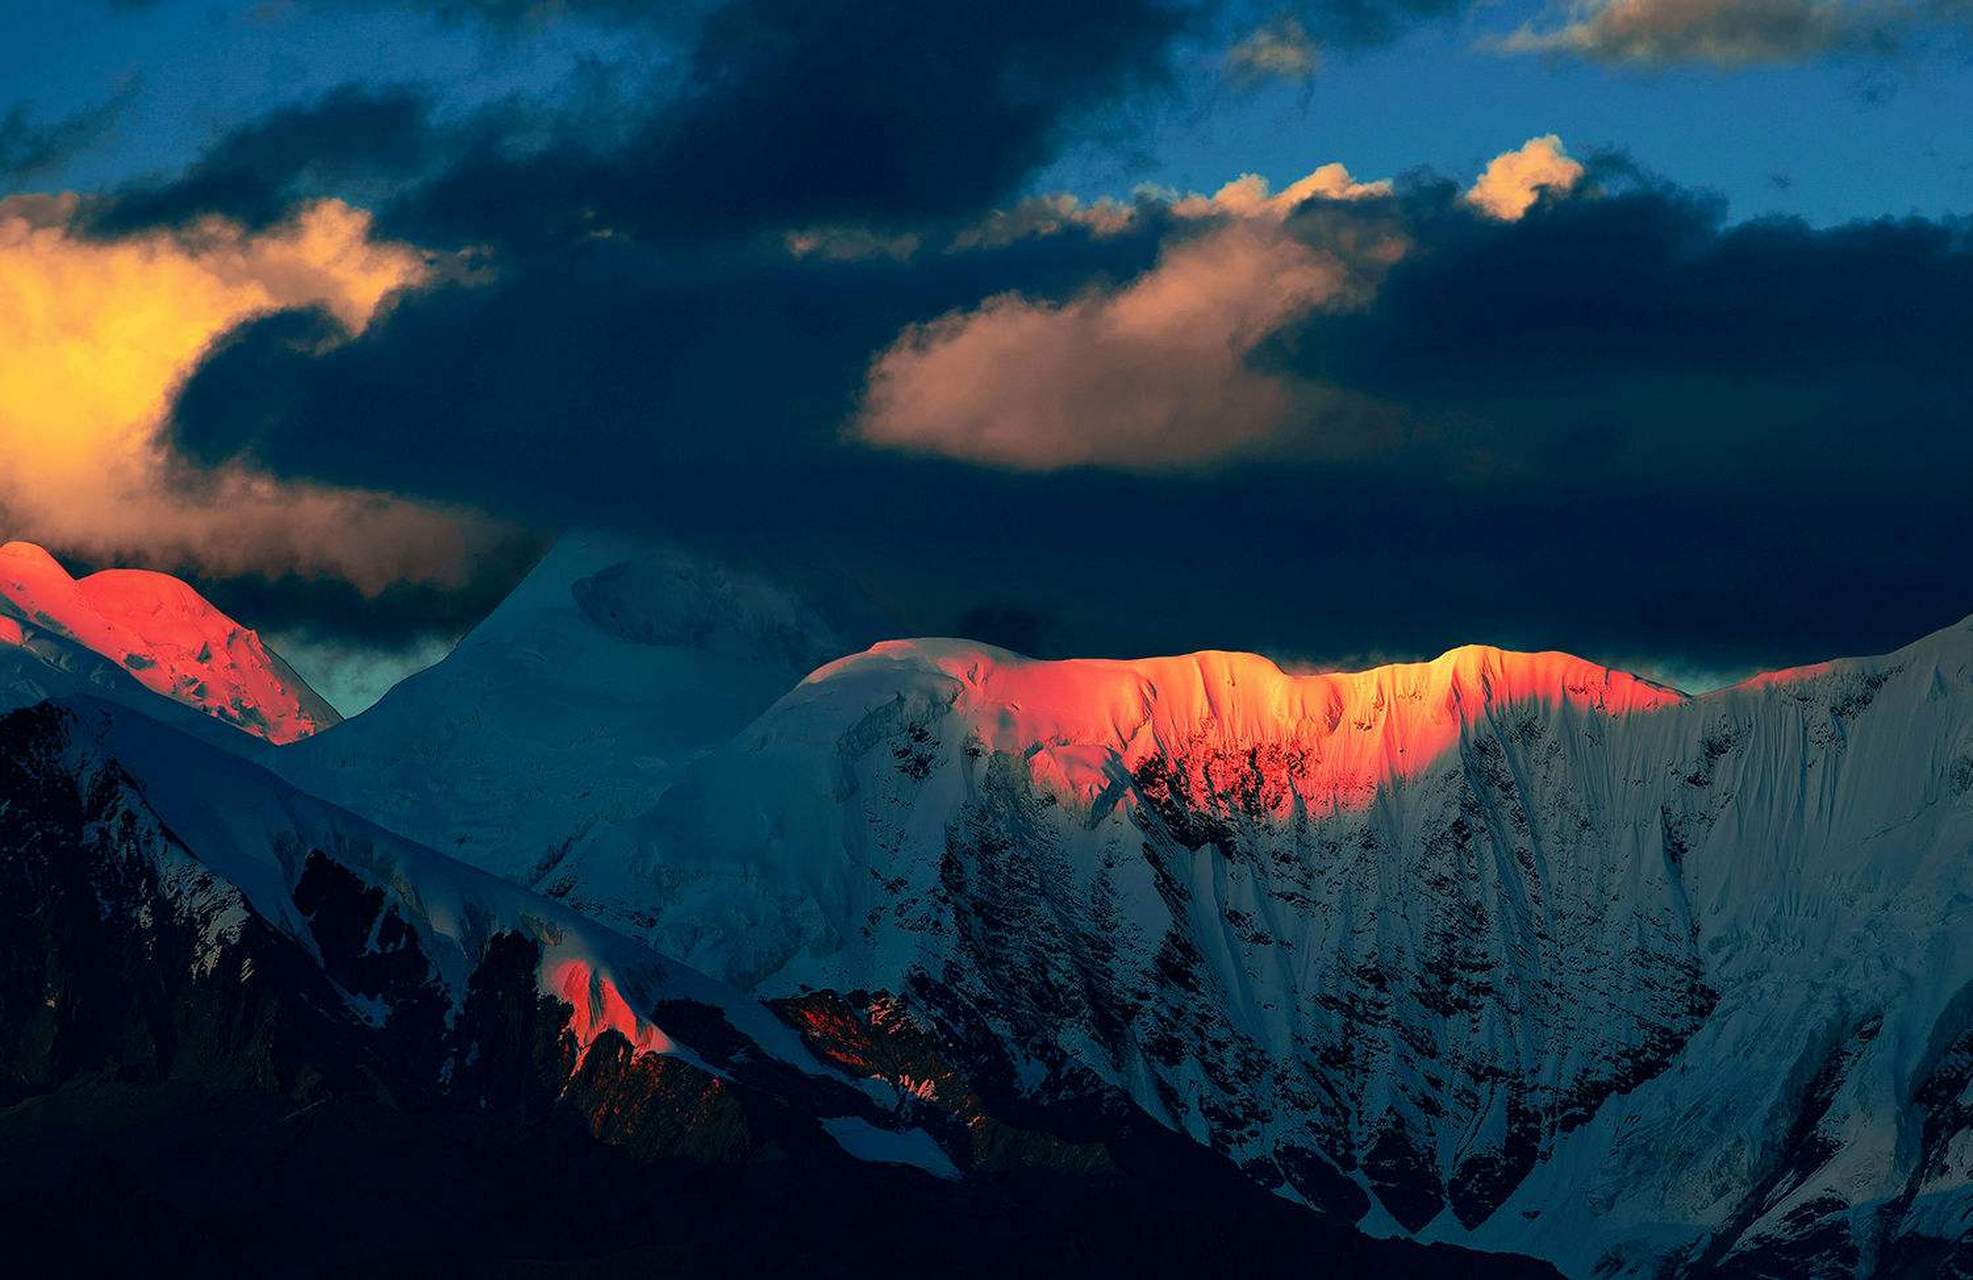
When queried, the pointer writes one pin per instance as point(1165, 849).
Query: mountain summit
point(161, 633)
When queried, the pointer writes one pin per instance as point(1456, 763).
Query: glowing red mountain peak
point(165, 635)
point(1343, 735)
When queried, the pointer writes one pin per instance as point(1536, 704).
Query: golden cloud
point(1249, 196)
point(100, 333)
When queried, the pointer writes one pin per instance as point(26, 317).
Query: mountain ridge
point(1503, 951)
point(1443, 982)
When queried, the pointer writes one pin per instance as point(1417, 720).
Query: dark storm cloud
point(777, 113)
point(342, 144)
point(819, 112)
point(761, 114)
point(774, 114)
point(611, 378)
point(1636, 333)
point(1618, 426)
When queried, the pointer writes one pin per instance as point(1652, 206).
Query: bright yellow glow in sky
point(98, 335)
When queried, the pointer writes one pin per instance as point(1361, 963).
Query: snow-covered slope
point(258, 1025)
point(1503, 949)
point(151, 627)
point(218, 872)
point(572, 704)
point(1507, 950)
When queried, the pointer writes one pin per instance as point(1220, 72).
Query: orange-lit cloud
point(1249, 196)
point(1514, 179)
point(1045, 215)
point(1151, 374)
point(98, 334)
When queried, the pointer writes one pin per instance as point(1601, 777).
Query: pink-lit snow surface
point(167, 636)
point(1337, 735)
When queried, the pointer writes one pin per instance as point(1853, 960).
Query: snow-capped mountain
point(120, 627)
point(275, 1037)
point(573, 703)
point(1502, 949)
point(1505, 951)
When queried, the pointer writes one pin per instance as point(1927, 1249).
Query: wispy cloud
point(31, 147)
point(1283, 49)
point(1731, 33)
point(1250, 195)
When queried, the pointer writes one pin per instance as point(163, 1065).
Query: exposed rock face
point(1503, 949)
point(123, 950)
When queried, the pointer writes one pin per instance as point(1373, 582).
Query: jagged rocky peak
point(164, 634)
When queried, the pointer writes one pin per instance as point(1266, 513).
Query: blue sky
point(1849, 137)
point(1838, 137)
point(192, 70)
